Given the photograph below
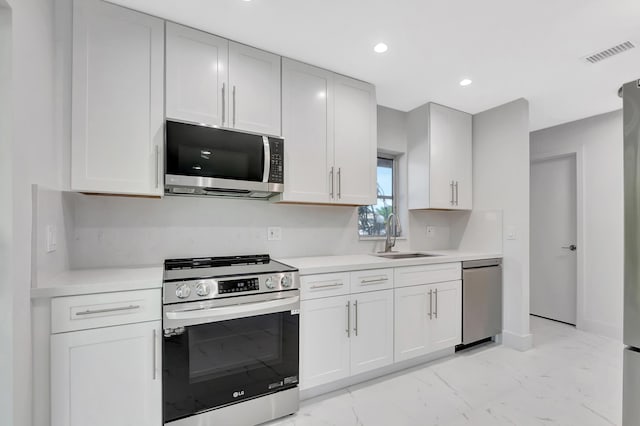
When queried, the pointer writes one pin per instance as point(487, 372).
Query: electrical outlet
point(52, 243)
point(274, 233)
point(431, 231)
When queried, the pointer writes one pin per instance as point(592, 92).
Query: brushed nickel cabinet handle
point(334, 284)
point(430, 304)
point(102, 311)
point(355, 328)
point(435, 312)
point(374, 280)
point(332, 184)
point(457, 193)
point(234, 106)
point(452, 195)
point(155, 356)
point(348, 330)
point(339, 183)
point(157, 166)
point(224, 109)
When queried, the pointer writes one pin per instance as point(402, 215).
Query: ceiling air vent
point(608, 53)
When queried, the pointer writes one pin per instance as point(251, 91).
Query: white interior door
point(553, 229)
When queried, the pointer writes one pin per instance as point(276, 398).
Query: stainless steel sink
point(404, 255)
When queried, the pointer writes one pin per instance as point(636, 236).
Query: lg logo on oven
point(237, 394)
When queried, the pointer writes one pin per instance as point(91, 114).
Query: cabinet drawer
point(105, 309)
point(324, 285)
point(370, 280)
point(427, 274)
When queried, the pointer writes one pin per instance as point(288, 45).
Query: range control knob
point(270, 283)
point(285, 281)
point(183, 291)
point(203, 289)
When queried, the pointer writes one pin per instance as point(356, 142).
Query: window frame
point(393, 197)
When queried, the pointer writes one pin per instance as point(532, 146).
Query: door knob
point(571, 247)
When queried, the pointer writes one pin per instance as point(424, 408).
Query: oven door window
point(194, 150)
point(234, 347)
point(215, 364)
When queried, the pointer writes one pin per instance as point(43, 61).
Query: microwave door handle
point(267, 159)
point(199, 316)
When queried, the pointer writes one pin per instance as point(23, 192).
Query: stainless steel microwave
point(210, 161)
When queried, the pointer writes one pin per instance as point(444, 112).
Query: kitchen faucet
point(388, 245)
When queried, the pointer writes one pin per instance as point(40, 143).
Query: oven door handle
point(223, 313)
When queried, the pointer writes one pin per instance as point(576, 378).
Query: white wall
point(598, 141)
point(35, 160)
point(501, 181)
point(6, 218)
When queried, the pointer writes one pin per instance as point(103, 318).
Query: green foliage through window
point(372, 219)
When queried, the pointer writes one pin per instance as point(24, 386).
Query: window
point(372, 219)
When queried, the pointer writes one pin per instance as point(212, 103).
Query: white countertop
point(89, 281)
point(327, 264)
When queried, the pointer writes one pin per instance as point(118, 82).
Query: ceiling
point(511, 49)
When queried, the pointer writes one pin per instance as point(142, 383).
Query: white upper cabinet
point(117, 100)
point(214, 81)
point(254, 82)
point(439, 158)
point(307, 127)
point(197, 82)
point(355, 141)
point(329, 127)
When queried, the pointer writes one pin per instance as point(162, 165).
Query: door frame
point(578, 155)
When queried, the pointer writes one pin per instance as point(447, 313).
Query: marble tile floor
point(569, 378)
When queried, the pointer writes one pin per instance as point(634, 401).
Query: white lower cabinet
point(107, 376)
point(428, 318)
point(341, 336)
point(324, 340)
point(106, 359)
point(372, 331)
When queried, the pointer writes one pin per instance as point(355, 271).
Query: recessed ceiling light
point(380, 48)
point(465, 82)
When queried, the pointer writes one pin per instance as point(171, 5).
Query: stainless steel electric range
point(231, 345)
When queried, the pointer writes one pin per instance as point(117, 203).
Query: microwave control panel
point(276, 170)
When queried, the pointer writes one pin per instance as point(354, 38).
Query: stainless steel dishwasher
point(481, 300)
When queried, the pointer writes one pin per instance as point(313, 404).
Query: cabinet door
point(411, 322)
point(461, 165)
point(445, 329)
point(307, 127)
point(197, 88)
point(441, 138)
point(372, 331)
point(450, 158)
point(107, 376)
point(254, 79)
point(324, 340)
point(355, 142)
point(117, 101)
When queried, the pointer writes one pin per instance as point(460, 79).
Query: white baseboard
point(601, 328)
point(520, 342)
point(393, 368)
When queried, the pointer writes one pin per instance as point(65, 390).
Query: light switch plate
point(274, 233)
point(512, 233)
